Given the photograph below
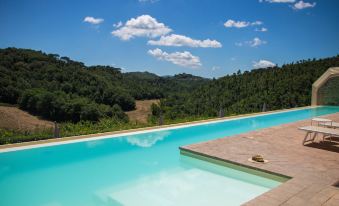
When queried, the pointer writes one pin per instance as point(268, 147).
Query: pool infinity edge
point(99, 136)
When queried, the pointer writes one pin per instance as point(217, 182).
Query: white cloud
point(263, 64)
point(278, 1)
point(118, 25)
point(185, 59)
point(180, 40)
point(147, 26)
point(252, 43)
point(241, 24)
point(238, 24)
point(256, 42)
point(93, 20)
point(142, 26)
point(303, 5)
point(262, 29)
point(297, 6)
point(256, 23)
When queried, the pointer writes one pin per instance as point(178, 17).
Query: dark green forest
point(92, 99)
point(282, 87)
point(58, 88)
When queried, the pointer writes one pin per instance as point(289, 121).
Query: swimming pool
point(137, 169)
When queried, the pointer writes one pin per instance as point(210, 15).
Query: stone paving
point(314, 168)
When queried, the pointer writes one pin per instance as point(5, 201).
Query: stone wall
point(328, 94)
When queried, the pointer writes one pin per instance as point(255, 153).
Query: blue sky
point(208, 38)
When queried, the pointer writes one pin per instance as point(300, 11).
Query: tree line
point(282, 87)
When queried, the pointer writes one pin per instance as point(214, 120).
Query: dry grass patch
point(143, 110)
point(13, 118)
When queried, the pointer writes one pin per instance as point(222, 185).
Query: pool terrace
point(313, 168)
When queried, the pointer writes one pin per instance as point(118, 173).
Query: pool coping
point(235, 165)
point(114, 134)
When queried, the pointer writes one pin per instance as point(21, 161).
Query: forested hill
point(58, 88)
point(145, 85)
point(280, 87)
point(61, 89)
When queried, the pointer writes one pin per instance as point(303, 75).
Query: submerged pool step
point(182, 187)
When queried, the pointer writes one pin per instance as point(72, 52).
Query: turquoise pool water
point(140, 169)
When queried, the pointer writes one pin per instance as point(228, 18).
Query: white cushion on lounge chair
point(321, 130)
point(318, 130)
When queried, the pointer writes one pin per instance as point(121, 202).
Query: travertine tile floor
point(314, 168)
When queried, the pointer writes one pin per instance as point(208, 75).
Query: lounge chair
point(334, 125)
point(315, 130)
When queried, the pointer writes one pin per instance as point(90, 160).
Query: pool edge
point(113, 134)
point(235, 165)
